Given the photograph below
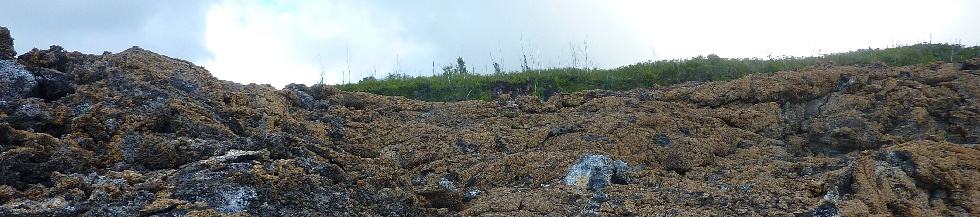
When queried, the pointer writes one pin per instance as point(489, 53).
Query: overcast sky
point(282, 42)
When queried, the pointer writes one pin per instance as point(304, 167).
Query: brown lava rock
point(136, 133)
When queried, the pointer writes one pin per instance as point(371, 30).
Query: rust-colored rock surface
point(136, 133)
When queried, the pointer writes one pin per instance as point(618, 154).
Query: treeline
point(456, 83)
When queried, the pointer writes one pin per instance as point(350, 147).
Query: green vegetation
point(456, 83)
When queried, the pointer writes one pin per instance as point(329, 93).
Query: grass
point(455, 84)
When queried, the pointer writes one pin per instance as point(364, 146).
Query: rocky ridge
point(136, 133)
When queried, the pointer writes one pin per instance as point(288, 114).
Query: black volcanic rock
point(15, 81)
point(7, 51)
point(971, 64)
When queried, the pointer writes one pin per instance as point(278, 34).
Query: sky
point(295, 41)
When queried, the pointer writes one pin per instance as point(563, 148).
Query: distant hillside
point(456, 84)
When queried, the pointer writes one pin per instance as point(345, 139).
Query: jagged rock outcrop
point(136, 133)
point(7, 51)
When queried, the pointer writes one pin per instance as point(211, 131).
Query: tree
point(714, 59)
point(524, 66)
point(448, 70)
point(461, 66)
point(368, 79)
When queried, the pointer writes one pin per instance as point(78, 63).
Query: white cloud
point(681, 29)
point(252, 40)
point(285, 42)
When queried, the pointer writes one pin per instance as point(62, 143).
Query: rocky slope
point(136, 133)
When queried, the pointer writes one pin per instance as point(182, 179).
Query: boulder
point(15, 81)
point(53, 85)
point(594, 172)
point(970, 64)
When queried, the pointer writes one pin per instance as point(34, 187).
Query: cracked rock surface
point(137, 133)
